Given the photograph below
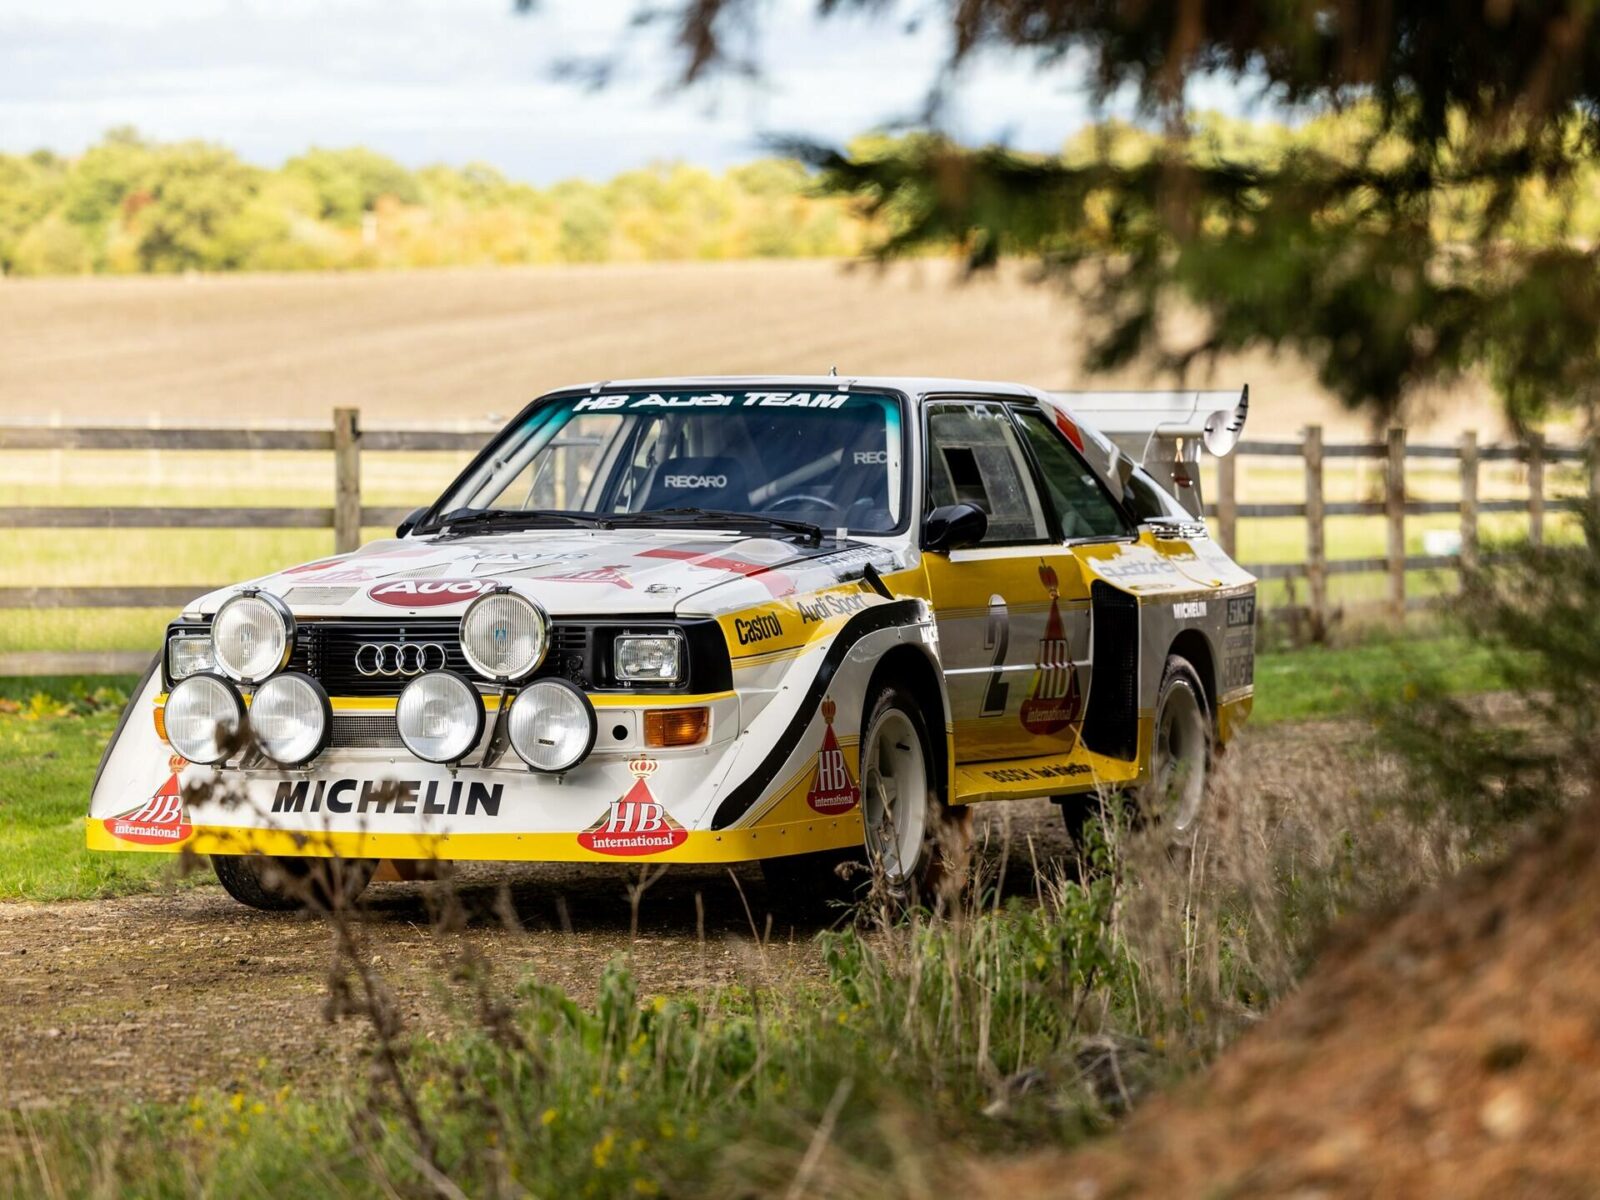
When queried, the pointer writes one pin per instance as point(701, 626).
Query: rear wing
point(1163, 432)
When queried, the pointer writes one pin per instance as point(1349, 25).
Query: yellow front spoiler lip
point(700, 846)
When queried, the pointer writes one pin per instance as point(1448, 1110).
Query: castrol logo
point(429, 593)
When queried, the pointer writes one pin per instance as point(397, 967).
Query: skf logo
point(1054, 702)
point(159, 821)
point(832, 789)
point(638, 824)
point(757, 629)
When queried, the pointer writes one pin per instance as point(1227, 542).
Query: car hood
point(573, 572)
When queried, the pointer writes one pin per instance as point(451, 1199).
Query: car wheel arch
point(1194, 647)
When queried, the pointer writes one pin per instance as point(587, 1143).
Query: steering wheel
point(799, 500)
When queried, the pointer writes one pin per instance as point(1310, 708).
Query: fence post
point(1592, 454)
point(346, 480)
point(1227, 504)
point(1536, 488)
point(1394, 503)
point(1316, 540)
point(1469, 501)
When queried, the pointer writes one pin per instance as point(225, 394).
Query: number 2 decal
point(996, 637)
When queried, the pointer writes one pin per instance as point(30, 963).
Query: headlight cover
point(189, 654)
point(440, 717)
point(204, 718)
point(654, 658)
point(252, 636)
point(552, 725)
point(505, 636)
point(291, 718)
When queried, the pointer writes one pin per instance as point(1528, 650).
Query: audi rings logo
point(399, 660)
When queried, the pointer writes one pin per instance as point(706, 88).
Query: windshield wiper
point(812, 533)
point(464, 519)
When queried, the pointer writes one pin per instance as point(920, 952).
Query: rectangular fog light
point(656, 658)
point(676, 726)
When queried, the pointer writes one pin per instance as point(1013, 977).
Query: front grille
point(365, 733)
point(326, 650)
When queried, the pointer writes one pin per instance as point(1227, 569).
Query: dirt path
point(152, 997)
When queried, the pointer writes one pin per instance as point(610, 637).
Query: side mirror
point(410, 522)
point(954, 527)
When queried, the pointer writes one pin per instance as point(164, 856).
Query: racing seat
point(696, 481)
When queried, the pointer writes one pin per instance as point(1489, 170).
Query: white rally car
point(713, 620)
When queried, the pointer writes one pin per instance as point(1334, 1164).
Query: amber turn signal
point(676, 726)
point(161, 722)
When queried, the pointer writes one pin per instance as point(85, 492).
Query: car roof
point(915, 386)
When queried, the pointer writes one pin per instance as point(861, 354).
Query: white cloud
point(457, 80)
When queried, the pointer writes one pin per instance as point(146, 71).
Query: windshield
point(831, 459)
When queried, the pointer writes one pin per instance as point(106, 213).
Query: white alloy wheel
point(894, 796)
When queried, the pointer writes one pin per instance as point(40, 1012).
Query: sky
point(458, 81)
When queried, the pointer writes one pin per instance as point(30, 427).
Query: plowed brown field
point(464, 344)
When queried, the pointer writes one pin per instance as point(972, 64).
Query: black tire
point(289, 884)
point(1150, 805)
point(1173, 799)
point(938, 864)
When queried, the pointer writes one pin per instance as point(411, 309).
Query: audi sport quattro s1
point(714, 620)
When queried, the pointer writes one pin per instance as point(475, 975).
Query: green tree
point(1485, 114)
point(350, 182)
point(54, 246)
point(185, 208)
point(101, 180)
point(30, 187)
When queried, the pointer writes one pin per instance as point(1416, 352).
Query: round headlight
point(291, 718)
point(204, 718)
point(505, 636)
point(552, 726)
point(252, 636)
point(440, 717)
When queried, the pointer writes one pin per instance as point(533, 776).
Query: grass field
point(53, 730)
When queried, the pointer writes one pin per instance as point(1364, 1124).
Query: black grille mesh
point(376, 732)
point(326, 650)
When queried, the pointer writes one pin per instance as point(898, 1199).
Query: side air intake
point(1111, 726)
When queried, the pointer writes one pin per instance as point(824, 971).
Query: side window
point(1082, 506)
point(1150, 502)
point(562, 467)
point(974, 457)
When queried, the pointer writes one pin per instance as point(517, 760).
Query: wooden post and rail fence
point(348, 516)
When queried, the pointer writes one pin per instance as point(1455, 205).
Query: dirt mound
point(1451, 1050)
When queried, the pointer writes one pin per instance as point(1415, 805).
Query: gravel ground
point(153, 997)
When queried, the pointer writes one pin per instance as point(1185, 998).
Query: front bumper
point(627, 801)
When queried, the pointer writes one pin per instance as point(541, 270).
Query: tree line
point(131, 205)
